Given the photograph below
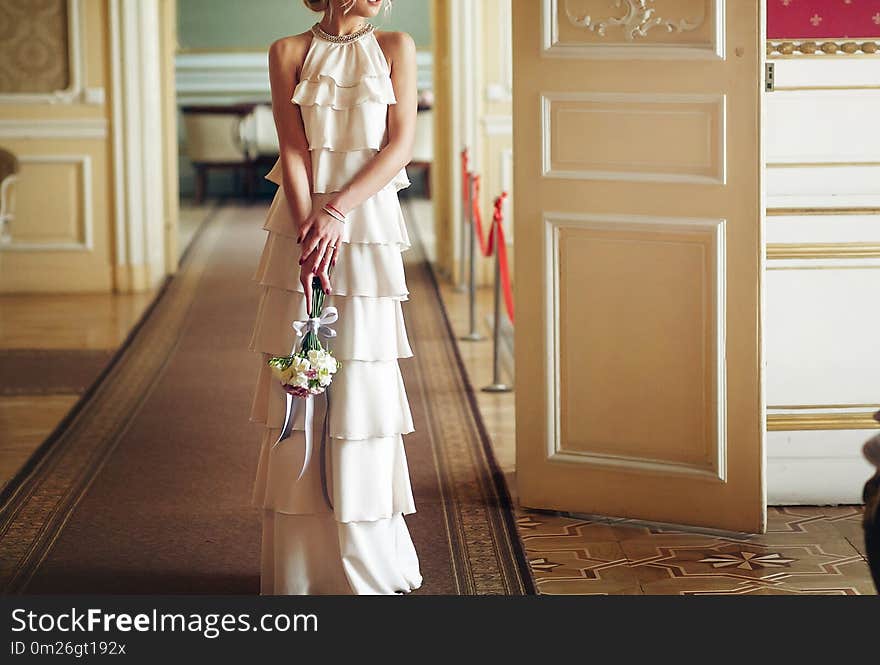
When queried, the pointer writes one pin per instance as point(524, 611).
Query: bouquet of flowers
point(309, 370)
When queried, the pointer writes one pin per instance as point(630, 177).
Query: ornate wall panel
point(617, 136)
point(39, 50)
point(635, 384)
point(66, 216)
point(615, 28)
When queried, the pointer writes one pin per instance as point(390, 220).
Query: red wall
point(822, 19)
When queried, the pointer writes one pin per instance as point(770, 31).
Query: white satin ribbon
point(319, 325)
point(308, 420)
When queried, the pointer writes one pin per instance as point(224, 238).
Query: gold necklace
point(342, 39)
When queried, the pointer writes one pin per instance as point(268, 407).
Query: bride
point(344, 101)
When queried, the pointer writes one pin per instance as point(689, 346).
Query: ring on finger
point(325, 260)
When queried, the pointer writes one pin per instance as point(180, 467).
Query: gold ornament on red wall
point(823, 27)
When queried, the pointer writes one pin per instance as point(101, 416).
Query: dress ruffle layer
point(316, 555)
point(327, 91)
point(370, 478)
point(347, 65)
point(368, 400)
point(343, 130)
point(377, 220)
point(368, 328)
point(332, 170)
point(368, 270)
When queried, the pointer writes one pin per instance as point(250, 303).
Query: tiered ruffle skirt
point(361, 545)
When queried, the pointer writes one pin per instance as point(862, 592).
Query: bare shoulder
point(289, 52)
point(396, 45)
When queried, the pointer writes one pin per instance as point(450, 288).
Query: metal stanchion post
point(497, 386)
point(465, 217)
point(474, 334)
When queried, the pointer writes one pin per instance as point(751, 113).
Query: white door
point(639, 259)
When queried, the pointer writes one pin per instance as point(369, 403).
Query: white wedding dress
point(361, 545)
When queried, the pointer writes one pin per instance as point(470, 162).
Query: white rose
point(300, 365)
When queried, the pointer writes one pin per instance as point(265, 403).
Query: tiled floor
point(806, 550)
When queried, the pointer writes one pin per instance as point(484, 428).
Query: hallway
point(147, 490)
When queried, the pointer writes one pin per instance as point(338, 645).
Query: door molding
point(716, 467)
point(656, 105)
point(553, 47)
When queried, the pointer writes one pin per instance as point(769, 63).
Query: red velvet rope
point(498, 220)
point(487, 246)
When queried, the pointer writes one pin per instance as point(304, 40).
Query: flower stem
point(311, 341)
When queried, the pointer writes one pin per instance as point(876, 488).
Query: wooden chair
point(423, 146)
point(214, 141)
point(9, 168)
point(261, 139)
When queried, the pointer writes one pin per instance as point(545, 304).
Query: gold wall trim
point(818, 407)
point(792, 212)
point(789, 88)
point(839, 46)
point(772, 266)
point(841, 250)
point(809, 165)
point(784, 422)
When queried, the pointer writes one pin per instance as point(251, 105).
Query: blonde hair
point(321, 6)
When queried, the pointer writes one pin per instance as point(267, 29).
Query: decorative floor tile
point(806, 551)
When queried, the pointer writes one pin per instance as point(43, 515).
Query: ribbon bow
point(319, 325)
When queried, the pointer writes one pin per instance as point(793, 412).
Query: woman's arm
point(285, 58)
point(316, 233)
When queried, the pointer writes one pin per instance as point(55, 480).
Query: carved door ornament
point(639, 17)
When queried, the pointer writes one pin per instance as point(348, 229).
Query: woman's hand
point(320, 236)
